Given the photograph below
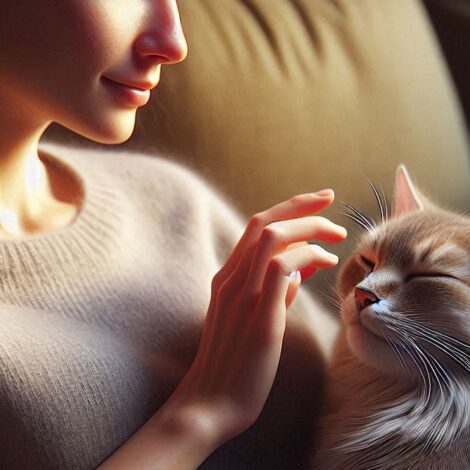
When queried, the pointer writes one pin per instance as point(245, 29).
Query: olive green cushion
point(279, 97)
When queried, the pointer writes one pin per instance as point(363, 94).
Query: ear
point(406, 197)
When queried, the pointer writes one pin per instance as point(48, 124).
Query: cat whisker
point(452, 353)
point(438, 369)
point(357, 220)
point(449, 345)
point(437, 333)
point(439, 372)
point(446, 337)
point(447, 374)
point(396, 350)
point(378, 199)
point(385, 202)
point(367, 220)
point(461, 358)
point(408, 342)
point(428, 383)
point(332, 301)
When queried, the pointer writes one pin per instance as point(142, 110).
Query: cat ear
point(405, 195)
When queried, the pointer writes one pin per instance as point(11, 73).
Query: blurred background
point(281, 97)
point(451, 22)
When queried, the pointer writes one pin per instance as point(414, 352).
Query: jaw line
point(351, 316)
point(351, 319)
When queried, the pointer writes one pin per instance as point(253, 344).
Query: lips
point(129, 94)
point(138, 85)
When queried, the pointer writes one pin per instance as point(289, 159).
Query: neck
point(27, 198)
point(34, 196)
point(372, 418)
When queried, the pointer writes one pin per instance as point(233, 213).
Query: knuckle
point(272, 234)
point(323, 225)
point(297, 198)
point(224, 295)
point(322, 221)
point(216, 281)
point(257, 220)
point(277, 266)
point(268, 234)
point(225, 288)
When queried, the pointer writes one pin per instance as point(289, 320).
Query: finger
point(317, 227)
point(288, 234)
point(299, 205)
point(307, 272)
point(295, 245)
point(272, 299)
point(294, 285)
point(276, 237)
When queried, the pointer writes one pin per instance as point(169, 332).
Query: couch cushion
point(279, 97)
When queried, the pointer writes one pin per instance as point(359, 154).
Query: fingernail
point(293, 276)
point(333, 257)
point(324, 192)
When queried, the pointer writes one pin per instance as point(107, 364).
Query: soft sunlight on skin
point(51, 73)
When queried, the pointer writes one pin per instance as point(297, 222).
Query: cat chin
point(374, 351)
point(369, 346)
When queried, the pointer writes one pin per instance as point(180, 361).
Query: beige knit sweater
point(99, 320)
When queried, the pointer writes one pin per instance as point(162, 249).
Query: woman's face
point(56, 57)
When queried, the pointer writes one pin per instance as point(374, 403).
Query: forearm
point(167, 441)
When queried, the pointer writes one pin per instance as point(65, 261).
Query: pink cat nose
point(364, 297)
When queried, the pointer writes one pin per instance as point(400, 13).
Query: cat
point(398, 382)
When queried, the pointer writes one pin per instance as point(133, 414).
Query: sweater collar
point(87, 243)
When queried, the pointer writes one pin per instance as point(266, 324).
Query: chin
point(372, 348)
point(118, 131)
point(113, 128)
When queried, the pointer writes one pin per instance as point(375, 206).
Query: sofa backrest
point(280, 97)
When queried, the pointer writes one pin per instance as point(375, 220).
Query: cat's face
point(406, 291)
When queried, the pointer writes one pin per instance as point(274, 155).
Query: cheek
point(443, 306)
point(64, 44)
point(349, 314)
point(430, 296)
point(104, 33)
point(349, 277)
point(80, 52)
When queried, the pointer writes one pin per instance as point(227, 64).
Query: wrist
point(191, 425)
point(174, 438)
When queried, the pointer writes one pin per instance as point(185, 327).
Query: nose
point(364, 297)
point(163, 39)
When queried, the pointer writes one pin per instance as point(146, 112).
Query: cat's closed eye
point(412, 276)
point(367, 262)
point(369, 266)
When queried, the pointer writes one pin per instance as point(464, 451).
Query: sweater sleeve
point(227, 224)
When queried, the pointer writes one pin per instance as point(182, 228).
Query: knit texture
point(99, 320)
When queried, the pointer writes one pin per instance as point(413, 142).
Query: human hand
point(228, 383)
